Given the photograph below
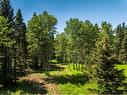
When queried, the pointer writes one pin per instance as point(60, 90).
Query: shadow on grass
point(56, 68)
point(21, 74)
point(23, 87)
point(53, 67)
point(78, 79)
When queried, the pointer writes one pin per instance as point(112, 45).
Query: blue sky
point(113, 11)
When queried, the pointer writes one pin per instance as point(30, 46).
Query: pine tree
point(109, 78)
point(125, 46)
point(21, 38)
point(34, 14)
point(6, 44)
point(7, 12)
point(119, 41)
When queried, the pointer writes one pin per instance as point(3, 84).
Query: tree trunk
point(14, 65)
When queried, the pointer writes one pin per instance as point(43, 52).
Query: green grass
point(67, 80)
point(77, 89)
point(73, 82)
point(22, 87)
point(120, 67)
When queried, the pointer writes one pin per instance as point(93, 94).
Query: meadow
point(63, 80)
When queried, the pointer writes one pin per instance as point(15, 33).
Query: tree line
point(89, 47)
point(95, 50)
point(23, 46)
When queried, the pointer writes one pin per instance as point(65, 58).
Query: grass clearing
point(72, 82)
point(62, 80)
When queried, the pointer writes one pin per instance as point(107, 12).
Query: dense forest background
point(93, 49)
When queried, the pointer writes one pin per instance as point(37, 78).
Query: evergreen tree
point(34, 14)
point(6, 43)
point(21, 37)
point(120, 39)
point(6, 10)
point(125, 46)
point(109, 78)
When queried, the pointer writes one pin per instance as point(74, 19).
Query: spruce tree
point(109, 78)
point(125, 47)
point(7, 12)
point(21, 37)
point(120, 41)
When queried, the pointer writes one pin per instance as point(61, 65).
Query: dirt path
point(52, 88)
point(40, 80)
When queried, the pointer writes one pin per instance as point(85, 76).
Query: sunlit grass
point(72, 82)
point(67, 80)
point(120, 67)
point(78, 89)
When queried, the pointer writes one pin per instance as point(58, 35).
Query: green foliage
point(19, 19)
point(120, 42)
point(110, 79)
point(41, 29)
point(6, 10)
point(5, 32)
point(70, 81)
point(7, 40)
point(78, 40)
point(53, 61)
point(61, 47)
point(94, 51)
point(20, 36)
point(6, 44)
